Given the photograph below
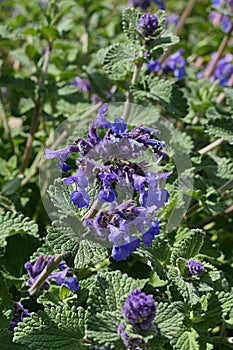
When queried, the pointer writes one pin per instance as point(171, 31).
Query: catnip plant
point(138, 253)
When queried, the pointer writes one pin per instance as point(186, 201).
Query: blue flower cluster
point(195, 268)
point(222, 18)
point(19, 314)
point(174, 64)
point(107, 162)
point(139, 311)
point(223, 71)
point(148, 23)
point(64, 276)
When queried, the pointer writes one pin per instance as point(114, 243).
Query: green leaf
point(11, 186)
point(168, 320)
point(89, 253)
point(118, 61)
point(164, 92)
point(189, 247)
point(130, 18)
point(110, 291)
point(59, 194)
point(221, 128)
point(226, 301)
point(15, 223)
point(187, 340)
point(68, 238)
point(102, 328)
point(212, 308)
point(51, 33)
point(55, 328)
point(6, 204)
point(20, 84)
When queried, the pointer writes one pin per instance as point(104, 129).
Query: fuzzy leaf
point(164, 92)
point(168, 320)
point(187, 340)
point(55, 328)
point(118, 61)
point(68, 239)
point(130, 18)
point(110, 291)
point(221, 128)
point(189, 247)
point(59, 194)
point(102, 328)
point(15, 223)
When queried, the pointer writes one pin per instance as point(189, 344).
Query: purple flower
point(35, 270)
point(149, 235)
point(80, 199)
point(119, 126)
point(107, 195)
point(139, 310)
point(153, 66)
point(148, 23)
point(195, 267)
point(223, 71)
point(65, 276)
point(172, 19)
point(100, 120)
point(160, 4)
point(129, 342)
point(81, 84)
point(176, 64)
point(19, 314)
point(122, 252)
point(72, 283)
point(143, 4)
point(62, 154)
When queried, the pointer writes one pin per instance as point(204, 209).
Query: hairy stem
point(35, 117)
point(130, 97)
point(211, 146)
point(179, 27)
point(45, 274)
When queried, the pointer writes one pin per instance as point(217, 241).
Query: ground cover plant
point(116, 175)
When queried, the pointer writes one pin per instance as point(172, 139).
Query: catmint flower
point(195, 267)
point(143, 4)
point(35, 270)
point(64, 276)
point(61, 154)
point(82, 84)
point(160, 4)
point(19, 314)
point(222, 17)
point(80, 199)
point(175, 63)
point(149, 235)
point(139, 310)
point(148, 23)
point(223, 71)
point(172, 20)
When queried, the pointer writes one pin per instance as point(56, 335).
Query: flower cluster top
point(128, 195)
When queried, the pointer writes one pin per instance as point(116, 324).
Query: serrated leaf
point(15, 223)
point(55, 328)
point(163, 92)
point(187, 340)
point(111, 290)
point(102, 328)
point(189, 247)
point(213, 314)
point(168, 320)
point(130, 18)
point(118, 61)
point(6, 204)
point(221, 128)
point(59, 194)
point(226, 301)
point(68, 239)
point(89, 253)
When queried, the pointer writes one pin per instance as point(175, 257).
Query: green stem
point(45, 274)
point(130, 98)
